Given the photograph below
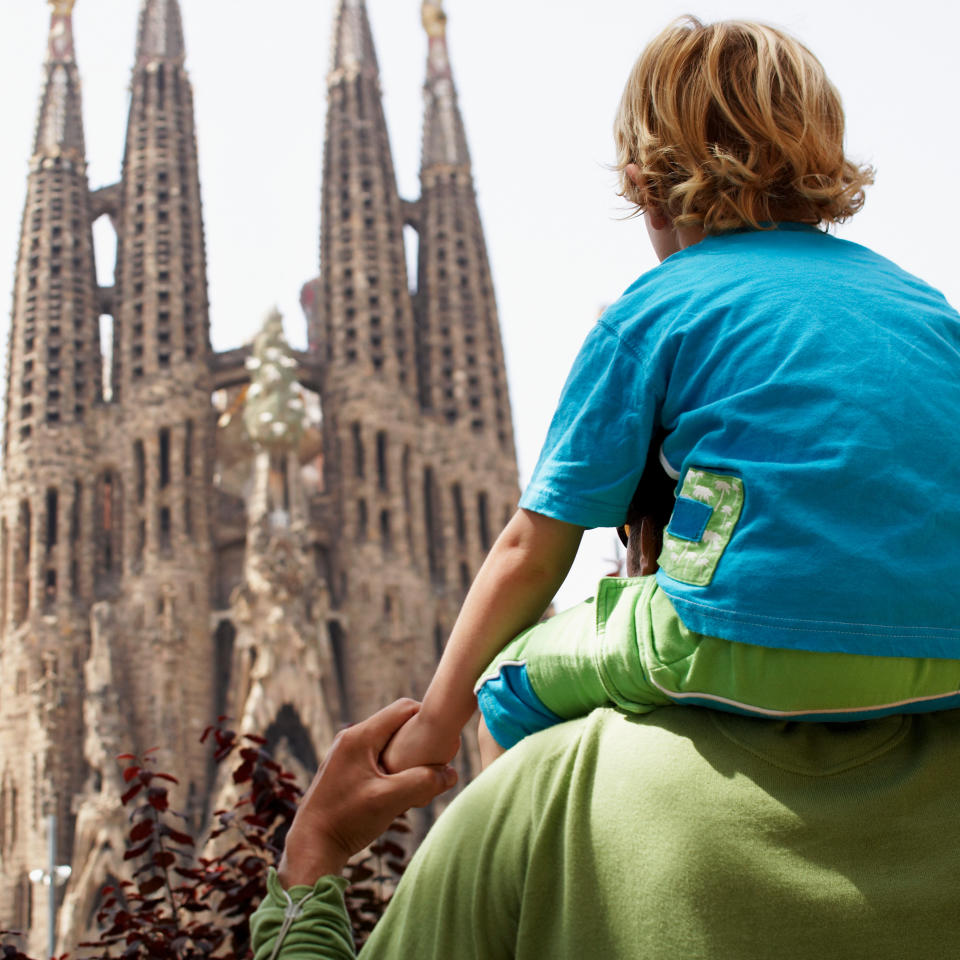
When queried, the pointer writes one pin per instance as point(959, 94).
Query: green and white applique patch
point(702, 523)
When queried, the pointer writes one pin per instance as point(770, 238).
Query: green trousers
point(628, 648)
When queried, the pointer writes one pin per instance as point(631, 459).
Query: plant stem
point(166, 872)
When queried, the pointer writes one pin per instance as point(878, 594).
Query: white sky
point(538, 82)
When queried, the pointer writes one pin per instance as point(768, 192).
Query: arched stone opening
point(224, 640)
point(287, 731)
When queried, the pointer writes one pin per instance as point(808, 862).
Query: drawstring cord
point(290, 913)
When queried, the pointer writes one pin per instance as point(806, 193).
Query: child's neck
point(688, 236)
point(668, 239)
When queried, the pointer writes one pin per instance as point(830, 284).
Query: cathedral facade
point(281, 536)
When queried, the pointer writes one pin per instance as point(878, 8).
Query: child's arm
point(518, 579)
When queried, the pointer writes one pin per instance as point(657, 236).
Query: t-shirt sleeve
point(597, 443)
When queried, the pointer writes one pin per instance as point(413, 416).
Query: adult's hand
point(352, 799)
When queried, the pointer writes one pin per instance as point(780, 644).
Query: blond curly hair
point(735, 124)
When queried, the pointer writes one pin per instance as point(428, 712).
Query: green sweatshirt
point(684, 833)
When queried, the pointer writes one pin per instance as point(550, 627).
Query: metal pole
point(52, 874)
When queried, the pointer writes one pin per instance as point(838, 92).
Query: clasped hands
point(353, 799)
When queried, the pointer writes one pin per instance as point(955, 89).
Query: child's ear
point(636, 177)
point(633, 172)
point(658, 219)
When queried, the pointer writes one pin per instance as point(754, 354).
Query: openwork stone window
point(483, 520)
point(76, 519)
point(108, 529)
point(140, 470)
point(433, 526)
point(338, 650)
point(386, 532)
point(164, 438)
point(359, 467)
point(382, 471)
point(459, 514)
point(21, 564)
point(165, 525)
point(362, 520)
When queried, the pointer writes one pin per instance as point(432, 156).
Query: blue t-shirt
point(810, 393)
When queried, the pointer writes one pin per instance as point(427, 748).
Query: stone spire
point(159, 461)
point(444, 140)
point(60, 124)
point(46, 515)
point(362, 322)
point(161, 283)
point(54, 352)
point(352, 48)
point(459, 352)
point(160, 33)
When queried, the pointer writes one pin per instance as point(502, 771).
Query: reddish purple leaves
point(187, 906)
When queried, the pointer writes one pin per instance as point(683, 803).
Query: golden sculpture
point(62, 7)
point(434, 19)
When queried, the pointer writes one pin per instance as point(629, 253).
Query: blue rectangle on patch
point(689, 519)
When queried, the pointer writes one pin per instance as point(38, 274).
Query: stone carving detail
point(100, 818)
point(274, 410)
point(281, 656)
point(434, 19)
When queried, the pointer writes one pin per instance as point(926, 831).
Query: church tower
point(153, 558)
point(282, 536)
point(106, 478)
point(459, 351)
point(460, 363)
point(420, 471)
point(53, 385)
point(364, 325)
point(361, 324)
point(162, 332)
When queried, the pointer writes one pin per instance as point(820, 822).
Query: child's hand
point(420, 742)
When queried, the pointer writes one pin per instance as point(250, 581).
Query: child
point(808, 391)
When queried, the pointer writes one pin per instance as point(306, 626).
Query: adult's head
point(647, 515)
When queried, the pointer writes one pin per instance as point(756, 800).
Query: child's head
point(734, 124)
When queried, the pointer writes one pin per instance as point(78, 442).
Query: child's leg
point(628, 648)
point(776, 683)
point(585, 657)
point(511, 708)
point(489, 748)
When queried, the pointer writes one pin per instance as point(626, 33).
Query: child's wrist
point(442, 713)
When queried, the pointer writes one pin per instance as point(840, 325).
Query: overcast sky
point(538, 82)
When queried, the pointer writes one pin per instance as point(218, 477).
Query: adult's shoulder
point(613, 769)
point(691, 833)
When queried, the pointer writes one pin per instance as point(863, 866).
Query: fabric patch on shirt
point(718, 498)
point(689, 519)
